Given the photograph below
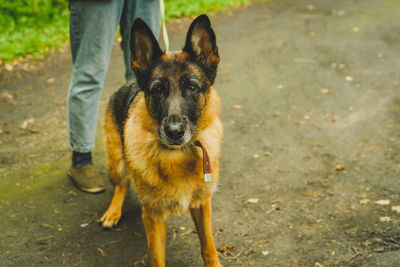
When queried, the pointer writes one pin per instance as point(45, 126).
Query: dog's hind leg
point(202, 219)
point(116, 168)
point(156, 227)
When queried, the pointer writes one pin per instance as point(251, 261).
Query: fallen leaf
point(384, 219)
point(396, 209)
point(50, 80)
point(237, 106)
point(266, 252)
point(7, 96)
point(26, 123)
point(333, 119)
point(275, 207)
point(47, 225)
point(217, 230)
point(252, 200)
point(56, 211)
point(364, 201)
point(383, 202)
point(244, 234)
point(83, 225)
point(101, 252)
point(43, 240)
point(227, 249)
point(339, 167)
point(72, 193)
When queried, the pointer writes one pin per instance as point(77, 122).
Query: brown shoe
point(87, 179)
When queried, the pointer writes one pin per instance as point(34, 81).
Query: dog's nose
point(174, 127)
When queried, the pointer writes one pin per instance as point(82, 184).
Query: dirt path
point(310, 160)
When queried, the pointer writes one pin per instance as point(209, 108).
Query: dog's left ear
point(144, 47)
point(201, 44)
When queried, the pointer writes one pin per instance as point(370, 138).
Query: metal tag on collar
point(208, 177)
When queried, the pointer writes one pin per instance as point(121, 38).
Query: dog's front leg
point(156, 228)
point(113, 213)
point(202, 219)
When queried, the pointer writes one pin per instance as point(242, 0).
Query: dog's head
point(175, 84)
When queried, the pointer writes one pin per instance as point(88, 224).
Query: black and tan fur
point(151, 126)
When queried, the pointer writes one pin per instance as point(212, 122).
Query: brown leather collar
point(206, 163)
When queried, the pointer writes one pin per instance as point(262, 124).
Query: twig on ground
point(355, 255)
point(244, 252)
point(43, 240)
point(186, 232)
point(173, 238)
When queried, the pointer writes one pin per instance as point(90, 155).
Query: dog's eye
point(192, 87)
point(157, 88)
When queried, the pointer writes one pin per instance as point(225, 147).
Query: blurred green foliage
point(30, 28)
point(179, 8)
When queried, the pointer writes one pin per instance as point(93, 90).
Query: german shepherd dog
point(163, 134)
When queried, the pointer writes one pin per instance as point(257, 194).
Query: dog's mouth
point(178, 143)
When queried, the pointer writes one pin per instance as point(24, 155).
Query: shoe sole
point(88, 190)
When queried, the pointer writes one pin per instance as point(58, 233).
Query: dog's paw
point(110, 217)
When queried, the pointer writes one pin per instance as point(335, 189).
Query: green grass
point(179, 8)
point(31, 28)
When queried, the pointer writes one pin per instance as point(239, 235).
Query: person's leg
point(149, 11)
point(93, 25)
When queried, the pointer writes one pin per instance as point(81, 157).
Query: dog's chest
point(175, 198)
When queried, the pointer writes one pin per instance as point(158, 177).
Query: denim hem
point(81, 149)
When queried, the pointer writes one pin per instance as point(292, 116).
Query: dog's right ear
point(144, 46)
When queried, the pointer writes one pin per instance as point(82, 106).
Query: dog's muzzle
point(175, 131)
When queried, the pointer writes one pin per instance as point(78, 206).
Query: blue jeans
point(93, 25)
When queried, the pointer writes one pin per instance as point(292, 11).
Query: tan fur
point(168, 182)
point(166, 178)
point(113, 145)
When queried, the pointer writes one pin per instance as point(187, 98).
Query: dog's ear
point(201, 44)
point(144, 46)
